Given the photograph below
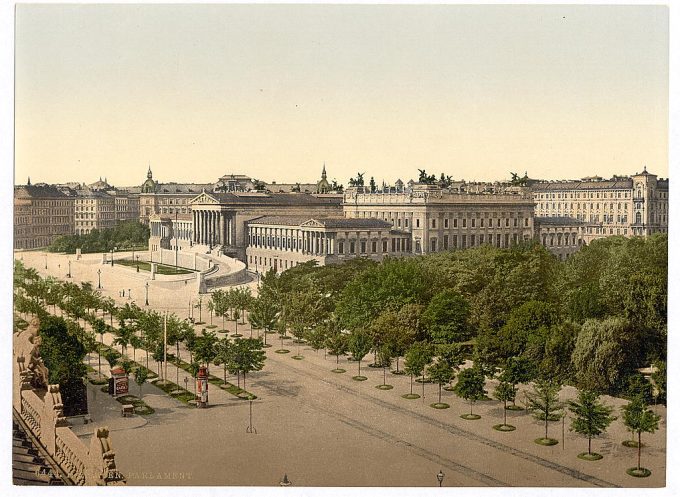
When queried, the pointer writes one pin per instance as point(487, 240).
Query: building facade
point(280, 242)
point(627, 206)
point(42, 213)
point(217, 221)
point(439, 219)
point(563, 236)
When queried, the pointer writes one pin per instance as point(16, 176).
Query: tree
point(446, 317)
point(417, 357)
point(223, 353)
point(470, 386)
point(263, 315)
point(505, 392)
point(639, 386)
point(544, 404)
point(359, 344)
point(517, 370)
point(605, 354)
point(591, 418)
point(204, 349)
point(141, 375)
point(659, 379)
point(336, 343)
point(639, 419)
point(247, 355)
point(440, 372)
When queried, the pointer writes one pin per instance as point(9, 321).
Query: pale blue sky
point(273, 91)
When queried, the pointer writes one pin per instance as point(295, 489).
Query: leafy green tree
point(470, 386)
point(417, 357)
point(517, 370)
point(247, 355)
point(591, 417)
point(605, 354)
point(639, 419)
point(505, 392)
point(141, 375)
point(446, 317)
point(336, 343)
point(441, 373)
point(263, 315)
point(205, 348)
point(544, 403)
point(659, 379)
point(359, 344)
point(223, 355)
point(639, 386)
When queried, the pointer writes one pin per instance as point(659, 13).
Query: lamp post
point(251, 428)
point(440, 477)
point(146, 287)
point(285, 482)
point(138, 263)
point(129, 294)
point(99, 278)
point(45, 261)
point(69, 268)
point(111, 257)
point(186, 382)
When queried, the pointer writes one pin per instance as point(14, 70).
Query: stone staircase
point(29, 466)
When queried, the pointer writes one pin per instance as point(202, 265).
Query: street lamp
point(45, 261)
point(440, 477)
point(146, 300)
point(69, 268)
point(251, 428)
point(129, 294)
point(285, 482)
point(99, 278)
point(112, 257)
point(138, 263)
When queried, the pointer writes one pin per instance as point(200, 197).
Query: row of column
point(213, 227)
point(316, 243)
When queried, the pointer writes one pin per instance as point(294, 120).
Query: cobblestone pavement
point(324, 429)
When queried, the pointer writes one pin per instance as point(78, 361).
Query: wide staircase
point(29, 463)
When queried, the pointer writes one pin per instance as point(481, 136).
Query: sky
point(276, 91)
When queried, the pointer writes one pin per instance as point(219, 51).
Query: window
point(341, 247)
point(374, 246)
point(433, 245)
point(464, 223)
point(473, 222)
point(352, 247)
point(446, 223)
point(417, 223)
point(384, 244)
point(446, 242)
point(434, 223)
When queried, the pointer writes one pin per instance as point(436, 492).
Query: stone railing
point(39, 405)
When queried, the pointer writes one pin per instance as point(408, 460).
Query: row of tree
point(124, 235)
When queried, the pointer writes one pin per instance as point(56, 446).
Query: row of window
point(398, 245)
point(618, 194)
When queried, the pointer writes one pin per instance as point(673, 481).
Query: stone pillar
point(153, 270)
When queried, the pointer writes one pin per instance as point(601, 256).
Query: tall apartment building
point(628, 206)
point(41, 214)
point(445, 218)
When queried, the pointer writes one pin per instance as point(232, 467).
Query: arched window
point(638, 218)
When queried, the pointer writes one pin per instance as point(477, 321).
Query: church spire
point(29, 181)
point(323, 171)
point(149, 174)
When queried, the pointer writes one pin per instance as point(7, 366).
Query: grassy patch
point(359, 378)
point(514, 408)
point(212, 326)
point(440, 405)
point(421, 380)
point(140, 407)
point(639, 473)
point(384, 387)
point(298, 357)
point(470, 417)
point(546, 441)
point(593, 456)
point(398, 372)
point(146, 266)
point(411, 396)
point(503, 427)
point(631, 443)
point(338, 370)
point(282, 351)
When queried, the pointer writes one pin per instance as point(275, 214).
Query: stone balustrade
point(39, 405)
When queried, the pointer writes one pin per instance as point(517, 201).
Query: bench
point(127, 410)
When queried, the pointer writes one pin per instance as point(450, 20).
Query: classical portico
point(214, 226)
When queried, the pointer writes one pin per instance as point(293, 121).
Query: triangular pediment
point(312, 223)
point(204, 198)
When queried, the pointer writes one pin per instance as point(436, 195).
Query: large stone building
point(628, 206)
point(281, 242)
point(41, 214)
point(443, 218)
point(218, 220)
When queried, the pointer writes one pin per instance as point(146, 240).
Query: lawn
point(160, 268)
